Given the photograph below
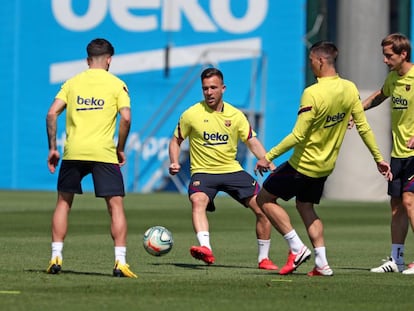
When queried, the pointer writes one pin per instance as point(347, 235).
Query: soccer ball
point(158, 241)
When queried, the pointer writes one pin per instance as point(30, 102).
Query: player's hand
point(351, 123)
point(385, 170)
point(410, 143)
point(53, 160)
point(263, 166)
point(174, 168)
point(121, 157)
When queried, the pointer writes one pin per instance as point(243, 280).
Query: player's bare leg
point(59, 230)
point(119, 230)
point(399, 221)
point(312, 223)
point(263, 224)
point(199, 202)
point(263, 234)
point(60, 216)
point(314, 227)
point(274, 212)
point(298, 252)
point(119, 226)
point(399, 230)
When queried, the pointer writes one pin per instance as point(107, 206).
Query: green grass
point(357, 237)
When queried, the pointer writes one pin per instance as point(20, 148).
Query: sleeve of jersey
point(245, 130)
point(386, 87)
point(365, 131)
point(287, 143)
point(299, 132)
point(62, 94)
point(182, 126)
point(123, 98)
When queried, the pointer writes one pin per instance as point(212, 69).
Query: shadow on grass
point(200, 266)
point(353, 268)
point(70, 272)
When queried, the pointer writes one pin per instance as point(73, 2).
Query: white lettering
point(62, 10)
point(60, 142)
point(192, 10)
point(133, 143)
point(136, 15)
point(163, 144)
point(150, 148)
point(155, 147)
point(122, 17)
point(254, 17)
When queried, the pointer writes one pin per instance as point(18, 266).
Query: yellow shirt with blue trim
point(322, 122)
point(213, 137)
point(93, 99)
point(400, 89)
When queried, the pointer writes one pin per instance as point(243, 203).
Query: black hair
point(98, 47)
point(210, 72)
point(326, 49)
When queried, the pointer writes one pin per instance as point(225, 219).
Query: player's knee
point(199, 201)
point(264, 197)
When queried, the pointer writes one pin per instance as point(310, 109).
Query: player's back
point(331, 101)
point(93, 100)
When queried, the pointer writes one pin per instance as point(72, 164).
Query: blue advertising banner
point(161, 46)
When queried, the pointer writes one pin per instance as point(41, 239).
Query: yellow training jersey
point(322, 121)
point(93, 99)
point(213, 137)
point(401, 91)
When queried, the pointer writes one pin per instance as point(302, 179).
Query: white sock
point(57, 250)
point(120, 254)
point(397, 253)
point(204, 238)
point(320, 257)
point(294, 241)
point(263, 249)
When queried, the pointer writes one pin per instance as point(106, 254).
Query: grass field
point(357, 237)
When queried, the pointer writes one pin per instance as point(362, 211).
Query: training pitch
point(357, 238)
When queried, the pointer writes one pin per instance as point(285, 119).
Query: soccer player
point(214, 128)
point(399, 85)
point(317, 136)
point(92, 100)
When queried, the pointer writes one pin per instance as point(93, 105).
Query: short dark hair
point(98, 47)
point(210, 72)
point(326, 49)
point(399, 43)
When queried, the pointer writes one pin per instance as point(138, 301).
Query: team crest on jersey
point(227, 123)
point(408, 87)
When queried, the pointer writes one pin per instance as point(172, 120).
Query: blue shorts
point(107, 177)
point(285, 182)
point(403, 176)
point(239, 185)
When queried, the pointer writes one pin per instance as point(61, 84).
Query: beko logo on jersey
point(90, 103)
point(399, 102)
point(144, 16)
point(215, 138)
point(335, 119)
